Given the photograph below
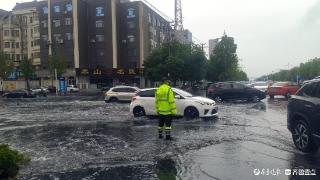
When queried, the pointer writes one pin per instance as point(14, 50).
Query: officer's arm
point(156, 100)
point(172, 103)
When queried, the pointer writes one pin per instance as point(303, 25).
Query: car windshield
point(182, 93)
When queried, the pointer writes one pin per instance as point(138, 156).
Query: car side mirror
point(177, 97)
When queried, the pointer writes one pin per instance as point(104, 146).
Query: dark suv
point(223, 91)
point(304, 117)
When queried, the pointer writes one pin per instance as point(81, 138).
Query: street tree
point(224, 63)
point(27, 70)
point(6, 66)
point(57, 63)
point(179, 62)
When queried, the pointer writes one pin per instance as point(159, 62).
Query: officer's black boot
point(160, 134)
point(168, 136)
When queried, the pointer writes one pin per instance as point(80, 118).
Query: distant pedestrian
point(165, 107)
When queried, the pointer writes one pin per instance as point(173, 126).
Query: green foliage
point(6, 66)
point(305, 71)
point(57, 62)
point(27, 70)
point(180, 61)
point(10, 161)
point(224, 63)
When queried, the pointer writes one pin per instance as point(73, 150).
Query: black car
point(18, 94)
point(224, 91)
point(304, 117)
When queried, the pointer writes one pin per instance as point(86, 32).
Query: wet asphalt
point(84, 138)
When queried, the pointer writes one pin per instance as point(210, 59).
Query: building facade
point(104, 42)
point(212, 44)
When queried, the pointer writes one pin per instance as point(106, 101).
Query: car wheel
point(288, 95)
point(255, 99)
point(302, 138)
point(191, 113)
point(113, 99)
point(71, 91)
point(138, 111)
point(217, 99)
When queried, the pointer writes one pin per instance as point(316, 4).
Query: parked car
point(189, 106)
point(304, 117)
point(224, 91)
point(120, 93)
point(262, 86)
point(40, 91)
point(72, 88)
point(18, 94)
point(52, 89)
point(285, 89)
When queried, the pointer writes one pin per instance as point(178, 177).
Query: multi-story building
point(212, 44)
point(3, 15)
point(21, 35)
point(104, 42)
point(63, 34)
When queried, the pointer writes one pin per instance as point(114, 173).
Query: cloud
point(312, 17)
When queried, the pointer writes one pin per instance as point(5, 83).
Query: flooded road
point(85, 138)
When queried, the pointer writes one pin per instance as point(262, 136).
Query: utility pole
point(178, 21)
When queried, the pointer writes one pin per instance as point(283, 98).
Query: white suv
point(120, 93)
point(189, 106)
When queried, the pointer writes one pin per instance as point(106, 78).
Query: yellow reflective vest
point(165, 104)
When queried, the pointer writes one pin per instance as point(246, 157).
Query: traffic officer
point(165, 107)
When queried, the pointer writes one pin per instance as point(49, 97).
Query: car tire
point(217, 99)
point(71, 90)
point(255, 99)
point(191, 113)
point(288, 95)
point(113, 99)
point(138, 111)
point(302, 137)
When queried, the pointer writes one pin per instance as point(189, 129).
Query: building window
point(36, 55)
point(44, 38)
point(99, 11)
point(13, 45)
point(99, 24)
point(36, 42)
point(69, 7)
point(69, 36)
point(17, 45)
point(131, 25)
point(132, 52)
point(68, 21)
point(100, 38)
point(30, 19)
point(131, 13)
point(7, 45)
point(44, 23)
point(16, 32)
point(36, 29)
point(149, 18)
point(18, 57)
point(13, 56)
point(45, 10)
point(56, 9)
point(131, 38)
point(56, 23)
point(6, 32)
point(57, 38)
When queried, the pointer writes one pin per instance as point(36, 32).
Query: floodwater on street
point(85, 138)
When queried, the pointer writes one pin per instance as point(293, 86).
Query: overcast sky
point(270, 34)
